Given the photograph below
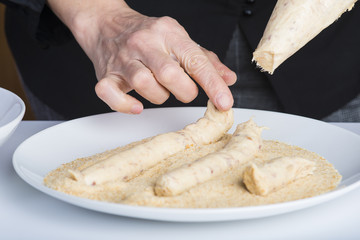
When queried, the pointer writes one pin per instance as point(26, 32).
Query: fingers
point(171, 76)
point(197, 64)
point(227, 75)
point(159, 73)
point(109, 90)
point(142, 80)
point(156, 57)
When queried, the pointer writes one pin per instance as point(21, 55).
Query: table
point(26, 213)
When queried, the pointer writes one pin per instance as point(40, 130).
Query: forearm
point(71, 11)
point(79, 15)
point(34, 5)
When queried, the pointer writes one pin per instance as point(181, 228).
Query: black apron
point(320, 78)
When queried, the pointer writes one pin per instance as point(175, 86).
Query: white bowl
point(12, 110)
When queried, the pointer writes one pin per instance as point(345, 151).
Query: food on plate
point(206, 169)
point(293, 23)
point(276, 173)
point(241, 148)
point(130, 162)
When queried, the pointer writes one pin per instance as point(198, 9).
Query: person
point(117, 47)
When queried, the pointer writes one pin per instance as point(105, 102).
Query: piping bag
point(293, 23)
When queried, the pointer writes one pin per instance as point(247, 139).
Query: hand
point(153, 56)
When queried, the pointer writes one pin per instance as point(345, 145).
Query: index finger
point(196, 63)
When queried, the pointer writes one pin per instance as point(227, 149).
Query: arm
point(153, 56)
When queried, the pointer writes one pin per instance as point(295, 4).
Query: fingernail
point(224, 101)
point(136, 109)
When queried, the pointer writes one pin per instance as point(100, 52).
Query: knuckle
point(141, 79)
point(168, 25)
point(166, 21)
point(137, 39)
point(195, 63)
point(213, 55)
point(168, 73)
point(102, 87)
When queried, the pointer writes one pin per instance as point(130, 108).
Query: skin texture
point(153, 56)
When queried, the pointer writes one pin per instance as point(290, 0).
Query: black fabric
point(40, 22)
point(34, 5)
point(324, 75)
point(61, 75)
point(317, 80)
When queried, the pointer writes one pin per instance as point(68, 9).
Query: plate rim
point(204, 212)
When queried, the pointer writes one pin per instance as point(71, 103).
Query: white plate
point(12, 110)
point(48, 149)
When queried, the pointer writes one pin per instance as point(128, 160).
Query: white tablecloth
point(26, 213)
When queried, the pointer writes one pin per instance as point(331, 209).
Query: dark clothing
point(320, 78)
